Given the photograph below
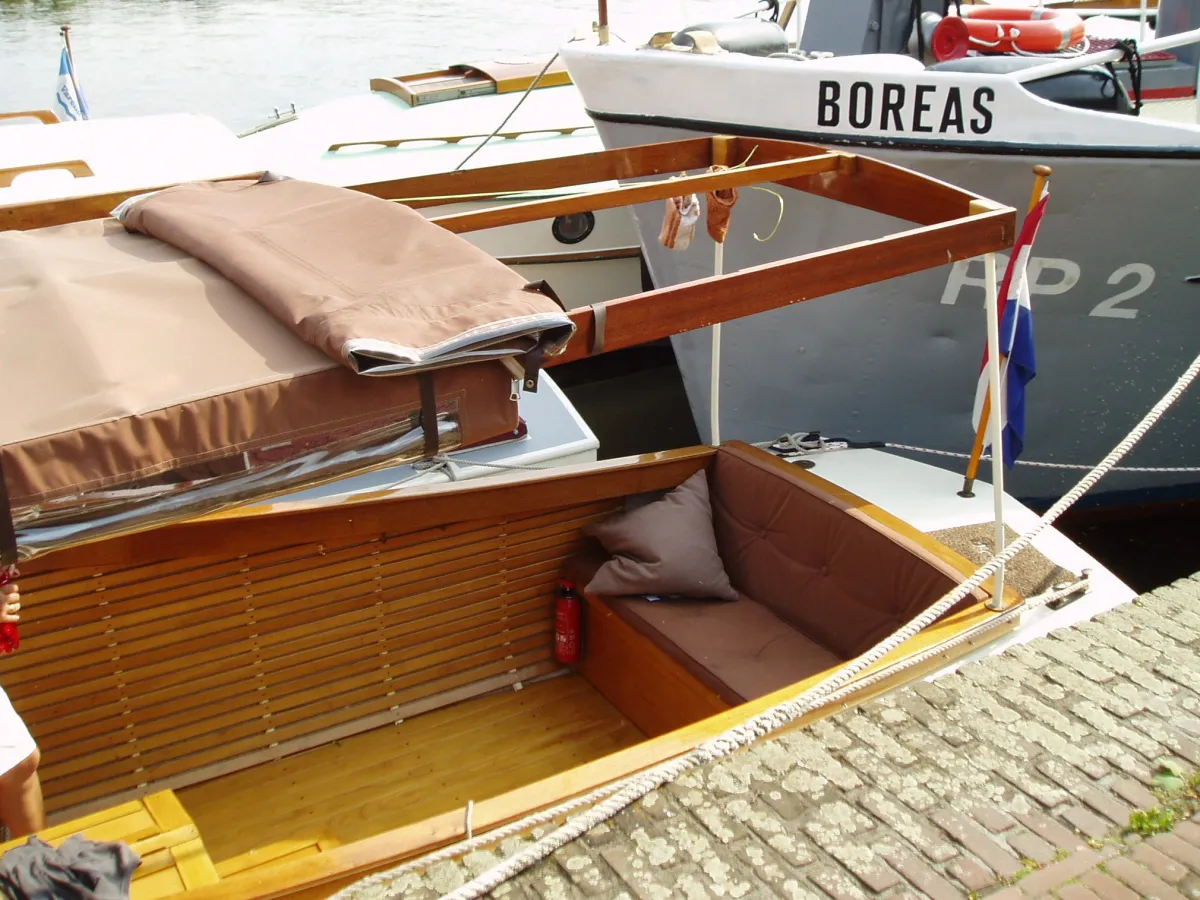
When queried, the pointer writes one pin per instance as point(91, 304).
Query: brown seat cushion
point(741, 650)
point(812, 560)
point(665, 547)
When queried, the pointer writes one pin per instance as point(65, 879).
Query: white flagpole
point(996, 417)
point(714, 393)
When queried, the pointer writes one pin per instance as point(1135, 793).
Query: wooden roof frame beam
point(660, 313)
point(953, 224)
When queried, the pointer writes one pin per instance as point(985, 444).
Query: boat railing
point(459, 138)
point(77, 167)
point(45, 116)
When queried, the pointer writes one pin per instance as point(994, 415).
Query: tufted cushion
point(822, 567)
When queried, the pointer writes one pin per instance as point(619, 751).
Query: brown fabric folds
point(720, 209)
point(373, 284)
point(127, 359)
point(666, 547)
point(829, 571)
point(740, 650)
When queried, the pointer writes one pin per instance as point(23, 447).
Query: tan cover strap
point(8, 533)
point(429, 420)
point(599, 323)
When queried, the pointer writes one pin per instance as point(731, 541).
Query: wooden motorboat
point(274, 700)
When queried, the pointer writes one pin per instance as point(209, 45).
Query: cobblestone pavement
point(1011, 778)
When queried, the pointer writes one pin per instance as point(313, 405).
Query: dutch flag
point(72, 105)
point(1017, 363)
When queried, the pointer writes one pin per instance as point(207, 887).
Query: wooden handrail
point(697, 304)
point(76, 167)
point(457, 138)
point(45, 116)
point(639, 193)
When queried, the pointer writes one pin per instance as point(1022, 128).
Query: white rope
point(611, 799)
point(803, 443)
point(1045, 465)
point(490, 465)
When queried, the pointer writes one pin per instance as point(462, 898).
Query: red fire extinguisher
point(10, 637)
point(568, 623)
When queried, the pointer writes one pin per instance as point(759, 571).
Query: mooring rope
point(612, 798)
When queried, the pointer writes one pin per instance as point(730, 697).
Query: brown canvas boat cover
point(130, 366)
point(372, 283)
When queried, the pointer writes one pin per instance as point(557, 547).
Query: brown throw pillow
point(666, 547)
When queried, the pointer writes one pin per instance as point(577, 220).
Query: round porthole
point(573, 228)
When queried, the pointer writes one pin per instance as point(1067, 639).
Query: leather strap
point(429, 420)
point(599, 325)
point(543, 287)
point(532, 362)
point(8, 532)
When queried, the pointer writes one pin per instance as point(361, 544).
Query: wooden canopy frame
point(951, 223)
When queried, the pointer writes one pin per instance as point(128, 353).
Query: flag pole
point(714, 395)
point(65, 31)
point(1041, 174)
point(994, 423)
point(602, 23)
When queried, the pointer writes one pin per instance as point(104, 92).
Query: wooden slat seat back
point(168, 657)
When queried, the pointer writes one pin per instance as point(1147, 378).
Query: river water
point(237, 59)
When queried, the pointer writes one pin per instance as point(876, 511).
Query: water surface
point(237, 59)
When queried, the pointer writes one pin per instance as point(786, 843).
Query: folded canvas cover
point(372, 283)
point(144, 386)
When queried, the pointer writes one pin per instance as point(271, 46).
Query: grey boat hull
point(1115, 321)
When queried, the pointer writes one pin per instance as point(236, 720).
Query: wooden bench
point(159, 830)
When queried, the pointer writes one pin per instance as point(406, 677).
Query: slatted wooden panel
point(160, 832)
point(136, 675)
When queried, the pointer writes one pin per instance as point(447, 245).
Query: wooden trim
point(931, 545)
point(418, 509)
point(316, 739)
point(456, 138)
point(45, 213)
point(76, 167)
point(616, 253)
point(45, 116)
point(470, 80)
point(564, 171)
point(577, 169)
point(697, 304)
point(648, 685)
point(628, 195)
point(385, 85)
point(872, 184)
point(345, 864)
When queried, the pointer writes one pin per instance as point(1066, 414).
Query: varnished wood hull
point(206, 658)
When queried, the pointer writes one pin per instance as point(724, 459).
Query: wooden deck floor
point(404, 773)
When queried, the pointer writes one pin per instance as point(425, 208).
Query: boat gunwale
point(348, 862)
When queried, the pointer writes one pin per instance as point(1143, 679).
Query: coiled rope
point(611, 799)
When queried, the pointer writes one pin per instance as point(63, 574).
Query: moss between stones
point(1179, 799)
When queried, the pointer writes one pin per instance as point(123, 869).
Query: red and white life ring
point(992, 29)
